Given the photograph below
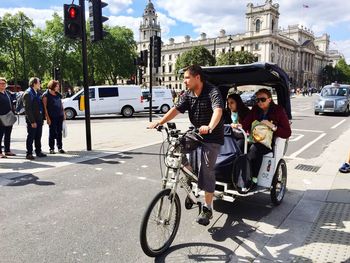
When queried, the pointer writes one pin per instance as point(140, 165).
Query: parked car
point(248, 98)
point(119, 99)
point(334, 98)
point(162, 99)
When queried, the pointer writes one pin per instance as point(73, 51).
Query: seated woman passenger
point(274, 117)
point(235, 113)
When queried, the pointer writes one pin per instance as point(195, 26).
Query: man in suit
point(34, 117)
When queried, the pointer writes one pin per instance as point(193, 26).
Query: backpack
point(20, 102)
point(241, 173)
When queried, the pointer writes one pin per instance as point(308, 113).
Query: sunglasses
point(260, 100)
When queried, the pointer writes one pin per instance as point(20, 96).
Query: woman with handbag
point(54, 114)
point(7, 119)
point(265, 117)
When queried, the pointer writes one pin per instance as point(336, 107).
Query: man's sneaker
point(52, 152)
point(345, 168)
point(30, 157)
point(205, 216)
point(61, 151)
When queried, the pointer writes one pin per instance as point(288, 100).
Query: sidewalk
point(317, 228)
point(107, 138)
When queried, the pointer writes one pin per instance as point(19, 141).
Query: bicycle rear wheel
point(157, 232)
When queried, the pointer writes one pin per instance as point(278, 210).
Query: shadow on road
point(25, 179)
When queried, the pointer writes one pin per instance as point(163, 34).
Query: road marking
point(295, 154)
point(296, 137)
point(338, 124)
point(301, 130)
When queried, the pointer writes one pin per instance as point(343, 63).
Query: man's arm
point(171, 114)
point(28, 107)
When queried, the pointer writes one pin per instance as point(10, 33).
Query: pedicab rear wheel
point(279, 183)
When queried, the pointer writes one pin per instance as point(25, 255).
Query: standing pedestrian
point(5, 107)
point(34, 117)
point(54, 114)
point(205, 105)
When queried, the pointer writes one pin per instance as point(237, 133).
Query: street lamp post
point(230, 43)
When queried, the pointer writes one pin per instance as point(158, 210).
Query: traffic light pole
point(150, 78)
point(85, 78)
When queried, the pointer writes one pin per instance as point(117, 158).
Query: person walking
point(5, 107)
point(54, 114)
point(205, 106)
point(34, 118)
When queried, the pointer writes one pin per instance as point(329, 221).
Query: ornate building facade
point(295, 49)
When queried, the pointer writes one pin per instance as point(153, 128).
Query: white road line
point(296, 137)
point(338, 124)
point(301, 130)
point(295, 154)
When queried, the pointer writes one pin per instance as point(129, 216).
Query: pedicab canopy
point(262, 74)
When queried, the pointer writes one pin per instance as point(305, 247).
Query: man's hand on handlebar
point(153, 125)
point(204, 129)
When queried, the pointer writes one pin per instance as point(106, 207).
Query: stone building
point(295, 49)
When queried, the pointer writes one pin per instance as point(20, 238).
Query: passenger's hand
point(48, 121)
point(204, 129)
point(34, 125)
point(267, 123)
point(236, 125)
point(153, 125)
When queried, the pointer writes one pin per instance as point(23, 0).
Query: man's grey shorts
point(208, 154)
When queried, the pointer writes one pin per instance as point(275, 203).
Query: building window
point(170, 68)
point(271, 46)
point(170, 57)
point(223, 50)
point(273, 24)
point(257, 25)
point(176, 86)
point(180, 86)
point(242, 48)
point(163, 79)
point(163, 58)
point(144, 34)
point(169, 78)
point(157, 70)
point(256, 47)
point(169, 86)
point(163, 69)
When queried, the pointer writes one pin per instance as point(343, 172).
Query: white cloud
point(130, 22)
point(116, 6)
point(165, 23)
point(343, 47)
point(130, 11)
point(39, 16)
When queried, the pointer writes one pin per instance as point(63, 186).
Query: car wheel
point(317, 113)
point(127, 111)
point(70, 113)
point(165, 108)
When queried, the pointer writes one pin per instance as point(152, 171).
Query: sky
point(182, 17)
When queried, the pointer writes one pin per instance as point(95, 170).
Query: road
point(91, 211)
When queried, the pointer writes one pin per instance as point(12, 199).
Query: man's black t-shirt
point(201, 108)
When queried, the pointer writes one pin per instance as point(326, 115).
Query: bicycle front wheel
point(158, 229)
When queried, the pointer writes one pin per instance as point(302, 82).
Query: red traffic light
point(72, 12)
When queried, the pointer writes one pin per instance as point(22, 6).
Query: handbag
point(64, 129)
point(260, 133)
point(8, 119)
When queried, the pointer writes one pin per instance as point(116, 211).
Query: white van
point(118, 99)
point(162, 99)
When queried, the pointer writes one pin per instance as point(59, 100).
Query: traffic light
point(96, 20)
point(157, 49)
point(144, 57)
point(57, 73)
point(72, 21)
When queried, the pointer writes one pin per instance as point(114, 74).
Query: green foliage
point(233, 58)
point(197, 55)
point(339, 73)
point(44, 49)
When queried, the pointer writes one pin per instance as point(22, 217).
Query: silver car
point(333, 98)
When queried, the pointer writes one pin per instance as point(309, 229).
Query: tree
point(197, 55)
point(343, 71)
point(238, 57)
point(15, 29)
point(113, 58)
